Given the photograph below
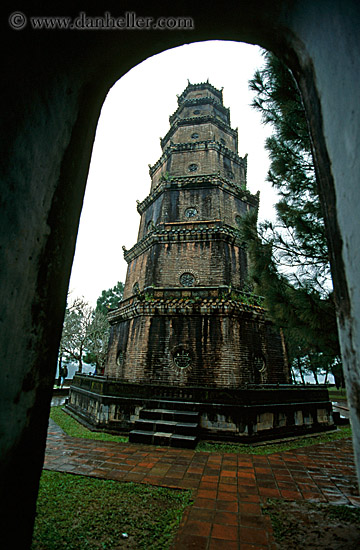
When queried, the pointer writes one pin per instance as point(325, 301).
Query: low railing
point(246, 394)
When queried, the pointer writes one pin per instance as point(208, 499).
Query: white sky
point(134, 116)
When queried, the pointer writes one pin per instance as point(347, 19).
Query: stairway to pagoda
point(167, 427)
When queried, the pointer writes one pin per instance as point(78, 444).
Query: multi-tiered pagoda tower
point(183, 319)
point(190, 353)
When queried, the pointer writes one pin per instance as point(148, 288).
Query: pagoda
point(187, 337)
point(185, 318)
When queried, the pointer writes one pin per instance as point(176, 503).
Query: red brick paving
point(228, 488)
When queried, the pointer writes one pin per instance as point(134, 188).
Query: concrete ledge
point(252, 414)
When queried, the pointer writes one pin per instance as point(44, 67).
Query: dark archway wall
point(53, 86)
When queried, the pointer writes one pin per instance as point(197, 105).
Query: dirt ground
point(309, 526)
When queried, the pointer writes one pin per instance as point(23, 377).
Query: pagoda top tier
point(193, 89)
point(200, 105)
point(200, 99)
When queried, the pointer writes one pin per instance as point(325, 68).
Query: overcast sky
point(134, 116)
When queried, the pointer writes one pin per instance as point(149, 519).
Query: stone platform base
point(254, 413)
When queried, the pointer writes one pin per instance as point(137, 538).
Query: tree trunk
point(60, 367)
point(292, 374)
point(326, 376)
point(315, 375)
point(300, 370)
point(313, 370)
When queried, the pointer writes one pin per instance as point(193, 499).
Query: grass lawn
point(276, 447)
point(77, 512)
point(337, 394)
point(75, 429)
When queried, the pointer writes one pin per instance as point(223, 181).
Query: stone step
point(163, 439)
point(186, 428)
point(166, 427)
point(139, 436)
point(169, 426)
point(143, 424)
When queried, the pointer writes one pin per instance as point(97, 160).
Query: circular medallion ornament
point(197, 112)
point(192, 167)
point(259, 363)
point(187, 279)
point(260, 371)
point(120, 358)
point(191, 212)
point(195, 135)
point(238, 220)
point(182, 358)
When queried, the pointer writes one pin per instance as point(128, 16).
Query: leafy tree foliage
point(86, 330)
point(110, 298)
point(298, 236)
point(289, 260)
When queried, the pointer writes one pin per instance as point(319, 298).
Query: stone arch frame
point(53, 89)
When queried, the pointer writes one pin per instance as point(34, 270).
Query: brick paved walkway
point(229, 488)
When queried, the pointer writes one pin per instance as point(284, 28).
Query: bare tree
point(97, 341)
point(77, 321)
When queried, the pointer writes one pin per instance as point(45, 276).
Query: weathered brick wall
point(205, 160)
point(277, 350)
point(224, 350)
point(211, 203)
point(213, 109)
point(205, 131)
point(211, 262)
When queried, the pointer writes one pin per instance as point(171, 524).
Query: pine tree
point(110, 298)
point(289, 260)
